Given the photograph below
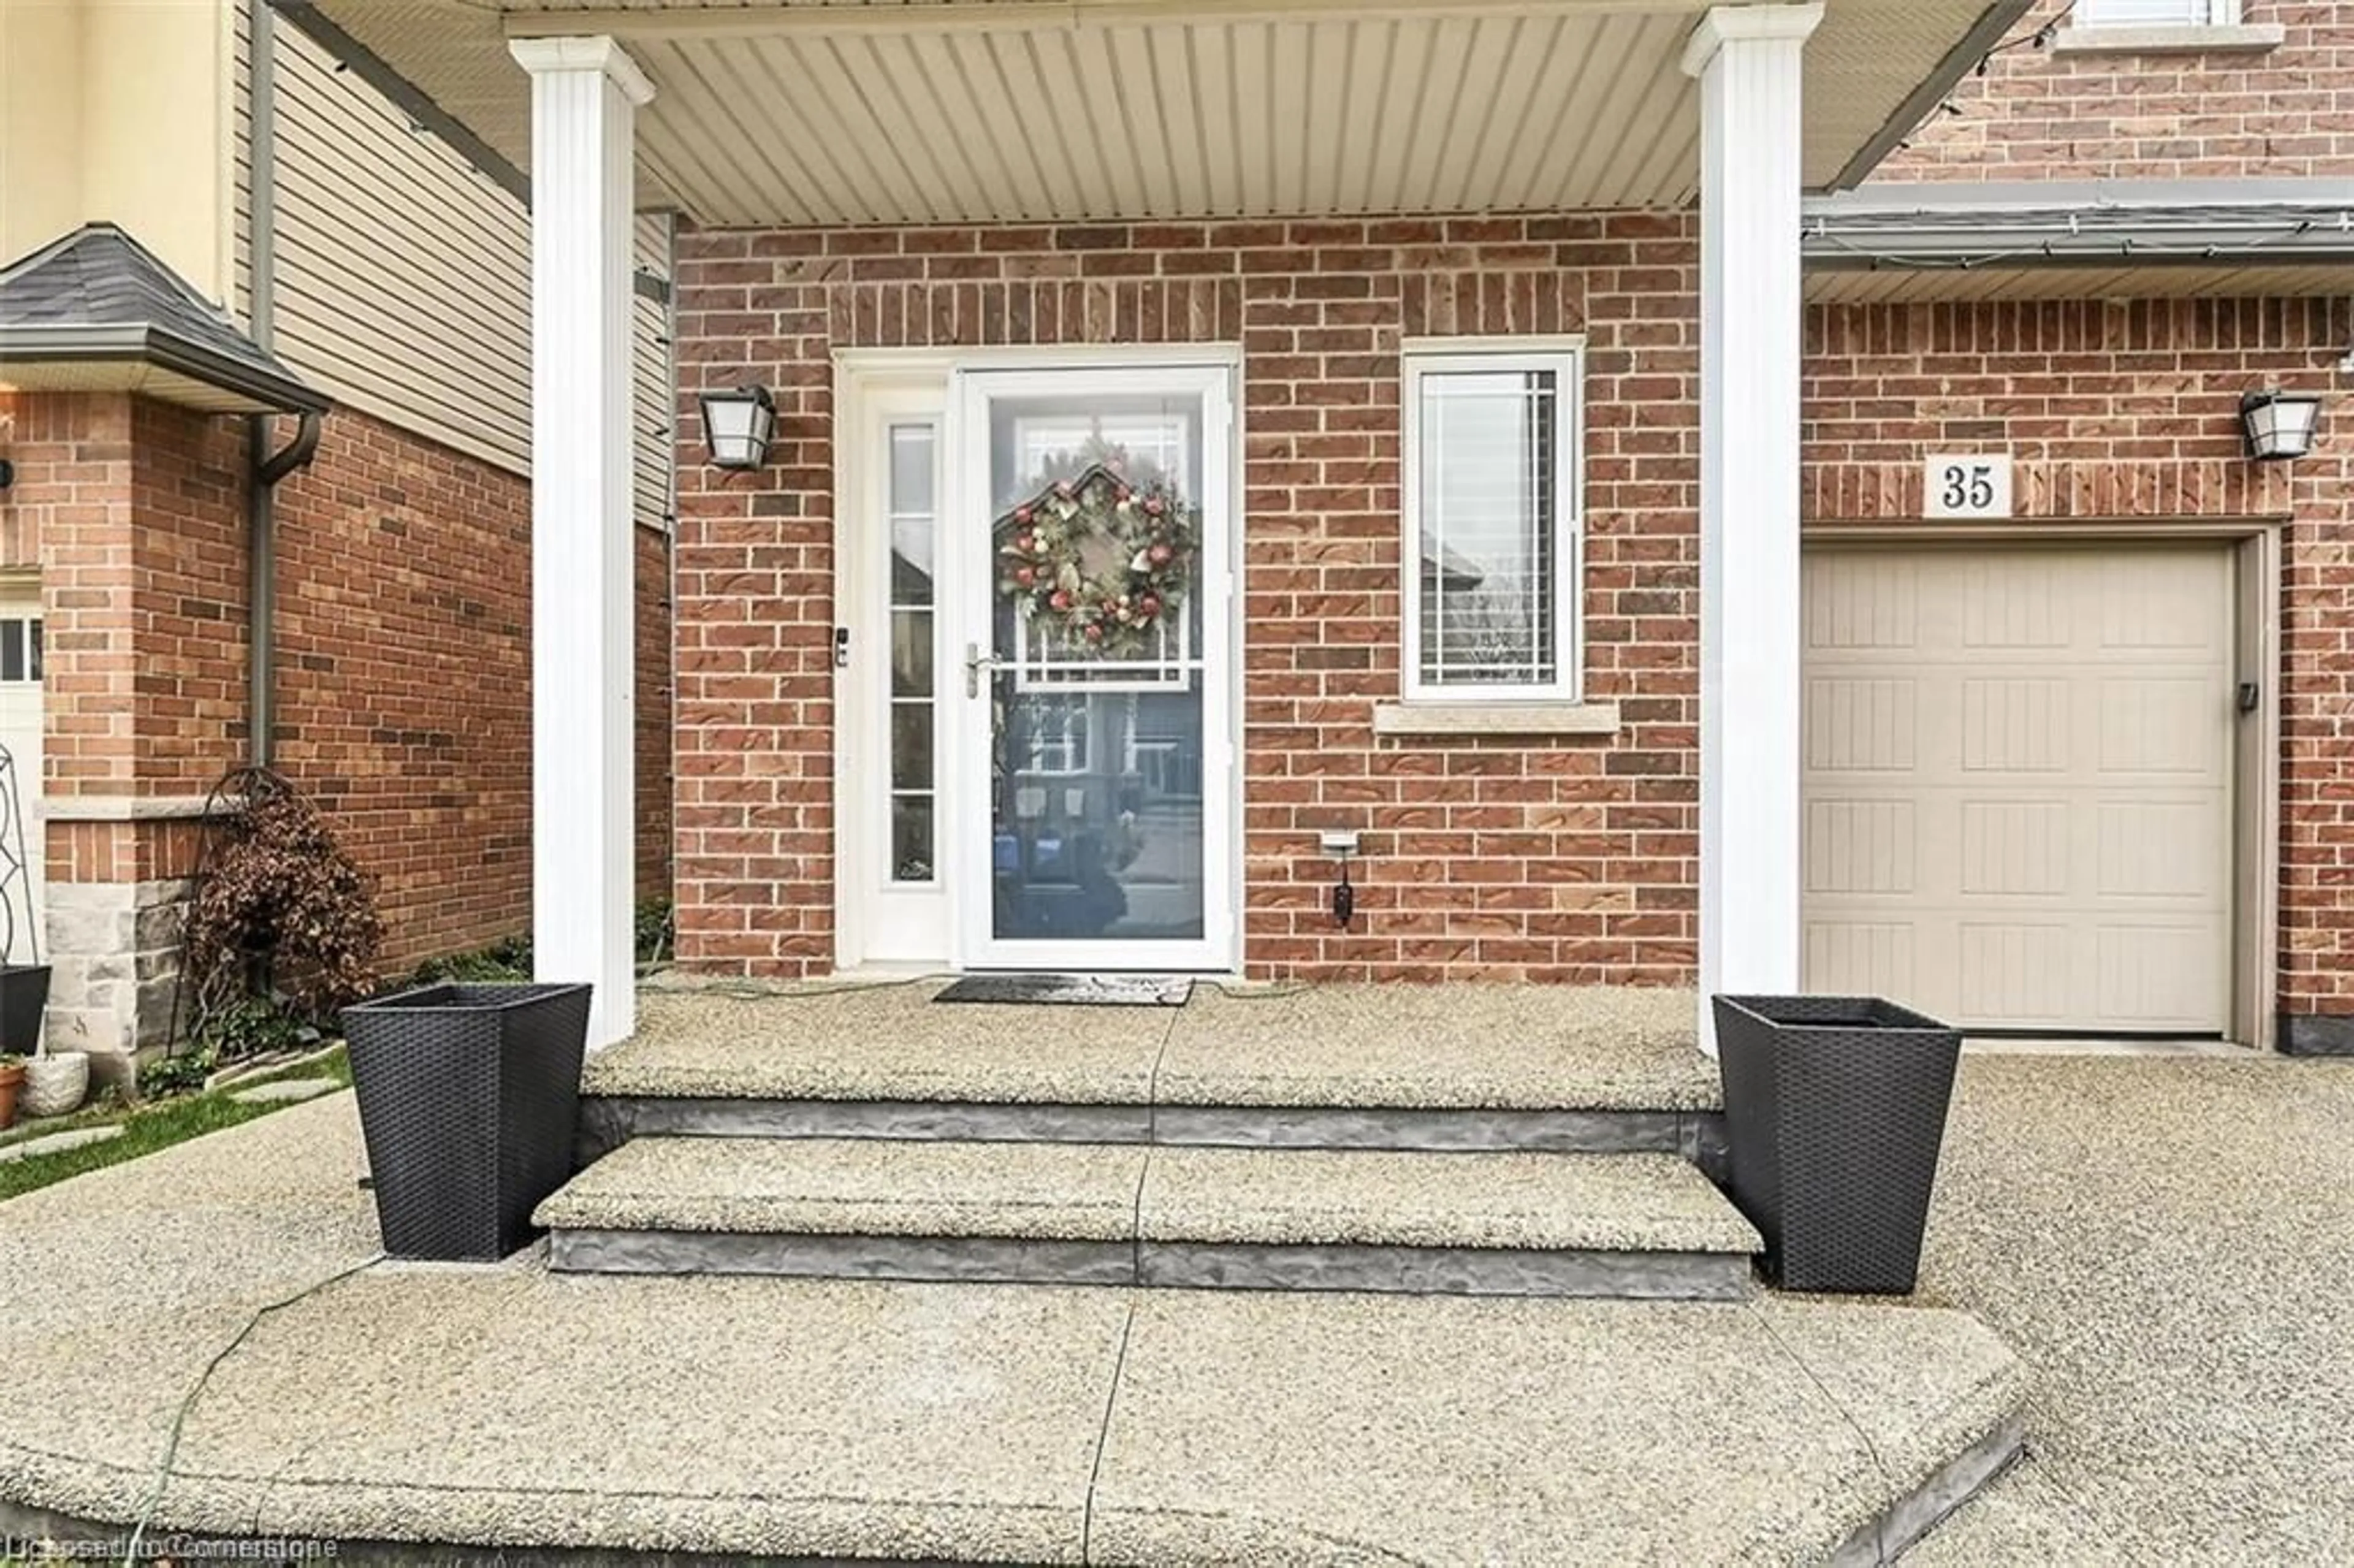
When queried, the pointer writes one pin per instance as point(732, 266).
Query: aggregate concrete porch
point(560, 1416)
point(1620, 1226)
point(1474, 1140)
point(1432, 1068)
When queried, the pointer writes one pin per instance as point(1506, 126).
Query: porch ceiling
point(874, 111)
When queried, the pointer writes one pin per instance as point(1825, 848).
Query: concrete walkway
point(939, 1422)
point(2170, 1244)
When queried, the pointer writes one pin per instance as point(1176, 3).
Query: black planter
point(24, 998)
point(1834, 1110)
point(468, 1094)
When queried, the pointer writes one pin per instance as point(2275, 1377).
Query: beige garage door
point(2017, 783)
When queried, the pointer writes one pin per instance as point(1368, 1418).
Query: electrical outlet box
point(1339, 840)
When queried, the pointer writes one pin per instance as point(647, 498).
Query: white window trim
point(2223, 31)
point(2219, 13)
point(1565, 356)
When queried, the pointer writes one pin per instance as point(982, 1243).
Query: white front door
point(1087, 690)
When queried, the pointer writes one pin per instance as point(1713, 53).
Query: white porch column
point(1747, 59)
point(584, 92)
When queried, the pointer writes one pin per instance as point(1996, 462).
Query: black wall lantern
point(2279, 425)
point(737, 425)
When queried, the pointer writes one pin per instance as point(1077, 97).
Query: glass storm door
point(1092, 532)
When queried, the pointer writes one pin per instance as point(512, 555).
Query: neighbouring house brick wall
point(404, 679)
point(404, 675)
point(654, 793)
point(403, 623)
point(1538, 859)
point(2049, 114)
point(2124, 410)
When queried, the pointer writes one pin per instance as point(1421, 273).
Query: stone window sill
point(1444, 718)
point(2246, 39)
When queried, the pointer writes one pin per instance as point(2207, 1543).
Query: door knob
point(975, 662)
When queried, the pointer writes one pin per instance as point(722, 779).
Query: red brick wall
point(2056, 114)
point(654, 794)
point(2117, 411)
point(69, 514)
point(404, 683)
point(1570, 861)
point(403, 625)
point(404, 675)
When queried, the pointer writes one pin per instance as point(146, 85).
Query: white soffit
point(844, 111)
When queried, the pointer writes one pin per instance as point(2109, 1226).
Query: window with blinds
point(1491, 521)
point(2156, 13)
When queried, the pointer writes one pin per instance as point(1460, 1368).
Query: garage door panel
point(2158, 849)
point(2151, 975)
point(2016, 973)
point(2014, 724)
point(1861, 846)
point(2018, 784)
point(2163, 723)
point(2015, 849)
point(2161, 599)
point(1873, 957)
point(2008, 602)
point(1856, 724)
point(1868, 605)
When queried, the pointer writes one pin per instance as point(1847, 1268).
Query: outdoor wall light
point(1341, 843)
point(2279, 425)
point(737, 426)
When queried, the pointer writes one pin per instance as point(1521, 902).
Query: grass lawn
point(146, 1128)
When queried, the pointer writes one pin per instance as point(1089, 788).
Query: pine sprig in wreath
point(1117, 611)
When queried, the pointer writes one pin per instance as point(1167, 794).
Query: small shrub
point(504, 960)
point(252, 1026)
point(657, 930)
point(280, 896)
point(184, 1073)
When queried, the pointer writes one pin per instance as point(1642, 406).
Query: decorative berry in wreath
point(1103, 563)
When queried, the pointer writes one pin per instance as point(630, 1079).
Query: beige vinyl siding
point(652, 398)
point(404, 274)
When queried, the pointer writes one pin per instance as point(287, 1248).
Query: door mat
point(1072, 990)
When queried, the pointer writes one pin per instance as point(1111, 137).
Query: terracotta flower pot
point(10, 1079)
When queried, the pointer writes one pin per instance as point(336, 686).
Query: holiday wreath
point(1101, 561)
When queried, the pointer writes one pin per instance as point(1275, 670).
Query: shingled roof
point(96, 311)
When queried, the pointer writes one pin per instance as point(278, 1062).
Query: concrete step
point(1410, 1067)
point(1641, 1226)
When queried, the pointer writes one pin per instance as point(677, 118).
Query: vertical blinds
point(1489, 526)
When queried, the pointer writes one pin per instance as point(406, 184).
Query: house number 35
point(1976, 484)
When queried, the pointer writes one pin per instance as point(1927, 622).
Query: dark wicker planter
point(468, 1094)
point(24, 998)
point(1834, 1110)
